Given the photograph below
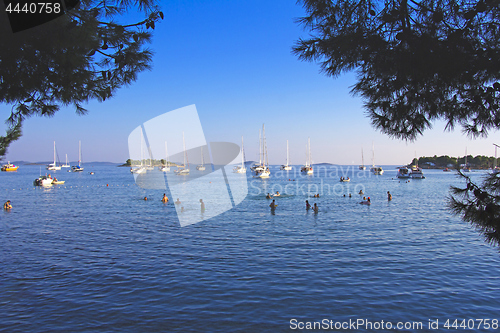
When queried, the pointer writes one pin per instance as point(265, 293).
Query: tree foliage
point(480, 205)
point(417, 61)
point(84, 55)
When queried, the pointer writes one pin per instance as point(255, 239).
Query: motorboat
point(403, 172)
point(416, 172)
point(9, 167)
point(43, 181)
point(345, 179)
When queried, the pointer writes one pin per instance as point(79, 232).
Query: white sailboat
point(262, 170)
point(140, 169)
point(376, 170)
point(184, 169)
point(286, 166)
point(53, 166)
point(78, 168)
point(466, 166)
point(66, 165)
point(201, 167)
point(166, 167)
point(307, 168)
point(362, 166)
point(150, 164)
point(238, 168)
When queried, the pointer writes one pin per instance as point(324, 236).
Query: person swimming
point(308, 206)
point(360, 192)
point(315, 208)
point(7, 205)
point(178, 202)
point(164, 199)
point(367, 202)
point(269, 196)
point(277, 194)
point(389, 196)
point(145, 198)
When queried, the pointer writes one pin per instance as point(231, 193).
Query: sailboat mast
point(287, 156)
point(362, 158)
point(264, 146)
point(184, 146)
point(242, 154)
point(166, 153)
point(54, 153)
point(260, 147)
point(80, 153)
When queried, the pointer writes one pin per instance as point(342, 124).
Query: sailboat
point(141, 168)
point(241, 168)
point(376, 170)
point(286, 166)
point(166, 167)
point(362, 166)
point(466, 166)
point(262, 170)
point(66, 165)
point(78, 168)
point(150, 165)
point(307, 168)
point(201, 167)
point(184, 169)
point(53, 166)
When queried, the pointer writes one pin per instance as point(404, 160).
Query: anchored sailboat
point(241, 169)
point(362, 166)
point(307, 168)
point(286, 166)
point(78, 168)
point(201, 167)
point(166, 167)
point(183, 170)
point(262, 170)
point(53, 166)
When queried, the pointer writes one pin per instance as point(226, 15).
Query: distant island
point(445, 161)
point(162, 162)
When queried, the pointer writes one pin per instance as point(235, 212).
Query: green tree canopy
point(81, 56)
point(417, 61)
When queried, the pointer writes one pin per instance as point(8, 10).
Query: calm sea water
point(92, 255)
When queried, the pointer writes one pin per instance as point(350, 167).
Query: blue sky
point(233, 60)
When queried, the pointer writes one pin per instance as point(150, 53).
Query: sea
point(92, 255)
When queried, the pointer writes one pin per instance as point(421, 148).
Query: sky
point(233, 60)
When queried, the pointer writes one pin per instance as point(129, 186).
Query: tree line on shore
point(445, 161)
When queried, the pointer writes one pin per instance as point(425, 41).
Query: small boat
point(403, 172)
point(53, 166)
point(416, 172)
point(183, 170)
point(58, 182)
point(78, 168)
point(446, 170)
point(201, 167)
point(241, 168)
point(307, 168)
point(342, 179)
point(43, 181)
point(9, 167)
point(286, 167)
point(466, 167)
point(262, 170)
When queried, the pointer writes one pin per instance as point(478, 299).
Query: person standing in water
point(273, 205)
point(7, 205)
point(308, 206)
point(164, 199)
point(202, 206)
point(389, 196)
